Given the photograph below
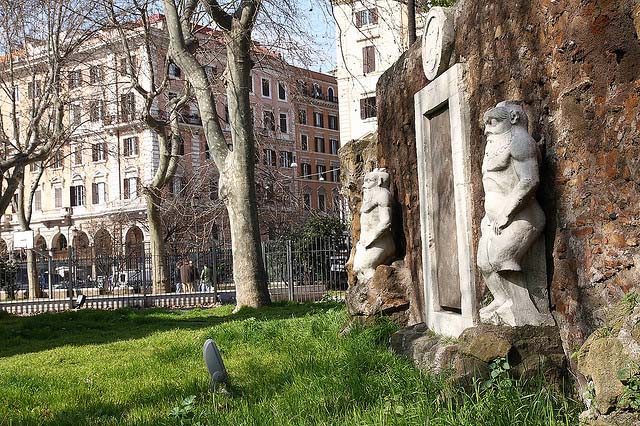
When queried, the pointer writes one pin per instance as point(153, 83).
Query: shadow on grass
point(20, 335)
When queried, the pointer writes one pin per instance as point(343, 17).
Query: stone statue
point(513, 221)
point(376, 245)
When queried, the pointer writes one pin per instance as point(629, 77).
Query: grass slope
point(287, 363)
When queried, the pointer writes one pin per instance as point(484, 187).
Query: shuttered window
point(368, 59)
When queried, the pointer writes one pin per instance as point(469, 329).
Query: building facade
point(370, 36)
point(89, 193)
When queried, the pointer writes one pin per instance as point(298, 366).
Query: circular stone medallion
point(437, 41)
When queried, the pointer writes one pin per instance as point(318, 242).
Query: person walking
point(187, 275)
point(176, 273)
point(205, 278)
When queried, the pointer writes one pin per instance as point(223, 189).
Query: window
point(368, 107)
point(319, 144)
point(335, 173)
point(75, 79)
point(57, 160)
point(321, 202)
point(127, 107)
point(331, 95)
point(318, 119)
point(317, 91)
point(366, 17)
point(213, 191)
point(306, 199)
point(368, 59)
point(268, 120)
point(321, 171)
point(284, 123)
point(37, 200)
point(16, 94)
point(174, 71)
point(306, 170)
point(58, 197)
point(304, 142)
point(124, 66)
point(334, 146)
point(266, 88)
point(250, 84)
point(99, 151)
point(176, 185)
point(34, 167)
point(130, 188)
point(98, 193)
point(286, 158)
point(282, 91)
point(269, 157)
point(180, 145)
point(333, 122)
point(130, 147)
point(205, 149)
point(96, 110)
point(95, 74)
point(77, 195)
point(77, 155)
point(302, 116)
point(76, 114)
point(33, 89)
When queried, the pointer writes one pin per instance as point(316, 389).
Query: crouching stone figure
point(376, 245)
point(513, 221)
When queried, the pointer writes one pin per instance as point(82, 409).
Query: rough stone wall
point(397, 152)
point(576, 65)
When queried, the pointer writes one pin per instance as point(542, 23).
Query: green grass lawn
point(288, 366)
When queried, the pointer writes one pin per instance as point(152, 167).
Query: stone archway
point(134, 242)
point(103, 252)
point(80, 244)
point(59, 246)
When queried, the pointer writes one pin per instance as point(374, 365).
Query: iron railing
point(111, 278)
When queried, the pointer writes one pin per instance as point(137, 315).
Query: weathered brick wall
point(576, 65)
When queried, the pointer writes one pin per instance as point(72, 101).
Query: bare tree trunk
point(411, 17)
point(237, 168)
point(158, 267)
point(32, 274)
point(240, 198)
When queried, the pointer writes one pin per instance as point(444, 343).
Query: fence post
point(144, 274)
point(290, 270)
point(71, 276)
point(264, 261)
point(214, 272)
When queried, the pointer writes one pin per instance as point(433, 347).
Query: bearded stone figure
point(513, 221)
point(376, 245)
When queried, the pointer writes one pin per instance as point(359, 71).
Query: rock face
point(575, 65)
point(610, 359)
point(530, 351)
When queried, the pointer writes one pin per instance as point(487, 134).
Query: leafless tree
point(39, 39)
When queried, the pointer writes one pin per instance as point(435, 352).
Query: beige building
point(370, 36)
point(90, 192)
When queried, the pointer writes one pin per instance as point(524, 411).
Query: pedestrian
point(187, 275)
point(176, 273)
point(205, 278)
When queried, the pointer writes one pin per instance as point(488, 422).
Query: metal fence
point(109, 279)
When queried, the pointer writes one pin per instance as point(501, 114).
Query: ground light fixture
point(213, 361)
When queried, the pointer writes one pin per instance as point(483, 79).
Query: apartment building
point(90, 192)
point(371, 35)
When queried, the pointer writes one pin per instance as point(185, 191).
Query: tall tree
point(135, 28)
point(237, 167)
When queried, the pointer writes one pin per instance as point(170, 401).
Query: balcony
point(320, 96)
